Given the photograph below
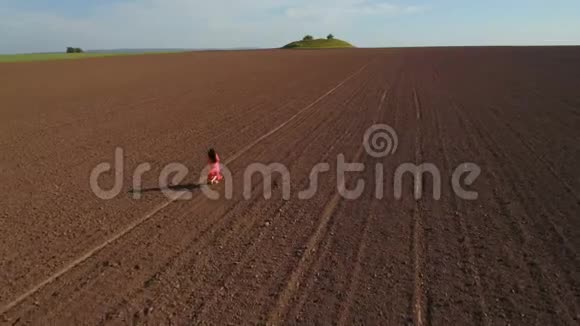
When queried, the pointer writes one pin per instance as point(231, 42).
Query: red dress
point(214, 174)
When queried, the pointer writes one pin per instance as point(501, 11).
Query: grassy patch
point(63, 56)
point(319, 44)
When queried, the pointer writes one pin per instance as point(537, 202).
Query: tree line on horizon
point(74, 50)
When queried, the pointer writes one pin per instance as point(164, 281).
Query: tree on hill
point(330, 37)
point(308, 38)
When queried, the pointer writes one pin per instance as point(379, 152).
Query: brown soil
point(509, 257)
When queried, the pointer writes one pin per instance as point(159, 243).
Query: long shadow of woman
point(189, 186)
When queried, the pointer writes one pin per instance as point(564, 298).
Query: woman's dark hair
point(212, 155)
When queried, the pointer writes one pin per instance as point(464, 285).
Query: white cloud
point(188, 23)
point(347, 9)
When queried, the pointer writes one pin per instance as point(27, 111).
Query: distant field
point(63, 56)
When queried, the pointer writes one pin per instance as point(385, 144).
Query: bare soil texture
point(508, 257)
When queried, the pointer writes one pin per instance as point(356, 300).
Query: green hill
point(321, 43)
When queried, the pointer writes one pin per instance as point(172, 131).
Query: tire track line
point(481, 142)
point(282, 305)
point(417, 103)
point(160, 207)
point(457, 206)
point(328, 238)
point(328, 241)
point(345, 309)
point(464, 227)
point(308, 107)
point(418, 243)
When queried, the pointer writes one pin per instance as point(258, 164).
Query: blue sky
point(51, 25)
